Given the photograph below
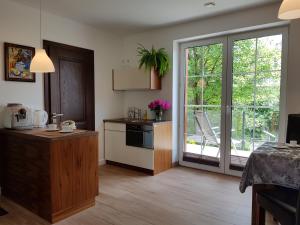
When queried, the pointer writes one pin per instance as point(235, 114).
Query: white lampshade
point(289, 9)
point(41, 63)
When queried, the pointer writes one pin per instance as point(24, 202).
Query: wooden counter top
point(43, 134)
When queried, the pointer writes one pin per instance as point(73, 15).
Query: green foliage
point(256, 76)
point(157, 59)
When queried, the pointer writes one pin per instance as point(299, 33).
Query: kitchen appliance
point(138, 135)
point(17, 116)
point(40, 118)
point(68, 124)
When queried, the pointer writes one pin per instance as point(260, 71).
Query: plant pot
point(155, 80)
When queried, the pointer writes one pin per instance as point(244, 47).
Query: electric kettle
point(40, 118)
point(17, 116)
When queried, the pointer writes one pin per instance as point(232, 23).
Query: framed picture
point(17, 62)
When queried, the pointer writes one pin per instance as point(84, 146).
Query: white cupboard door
point(130, 79)
point(115, 142)
point(139, 157)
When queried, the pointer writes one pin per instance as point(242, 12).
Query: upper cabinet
point(126, 79)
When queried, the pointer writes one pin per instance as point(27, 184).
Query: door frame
point(91, 86)
point(227, 92)
point(183, 46)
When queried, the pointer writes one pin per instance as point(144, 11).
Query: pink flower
point(159, 104)
point(166, 106)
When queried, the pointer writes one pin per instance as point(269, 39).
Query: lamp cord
point(41, 44)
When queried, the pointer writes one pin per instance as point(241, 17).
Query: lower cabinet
point(114, 144)
point(53, 175)
point(116, 149)
point(151, 161)
point(140, 157)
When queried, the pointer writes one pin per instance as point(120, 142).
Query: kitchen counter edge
point(141, 122)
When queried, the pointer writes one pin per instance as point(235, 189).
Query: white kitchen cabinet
point(115, 142)
point(128, 78)
point(140, 157)
point(116, 149)
point(151, 161)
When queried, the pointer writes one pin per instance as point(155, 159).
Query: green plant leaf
point(157, 59)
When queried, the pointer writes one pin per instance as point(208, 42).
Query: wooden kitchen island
point(52, 174)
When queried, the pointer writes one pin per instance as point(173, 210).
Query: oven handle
point(140, 131)
point(135, 131)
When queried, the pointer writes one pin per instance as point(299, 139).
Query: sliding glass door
point(232, 101)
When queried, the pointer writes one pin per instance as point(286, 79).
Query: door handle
point(228, 109)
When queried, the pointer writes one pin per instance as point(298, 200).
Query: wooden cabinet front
point(53, 178)
point(126, 79)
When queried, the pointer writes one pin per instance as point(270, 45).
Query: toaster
point(17, 116)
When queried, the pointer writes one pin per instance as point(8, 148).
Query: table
point(270, 165)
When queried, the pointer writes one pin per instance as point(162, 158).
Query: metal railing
point(243, 109)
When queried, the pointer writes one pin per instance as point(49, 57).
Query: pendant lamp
point(41, 63)
point(289, 9)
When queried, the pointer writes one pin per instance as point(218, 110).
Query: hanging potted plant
point(156, 61)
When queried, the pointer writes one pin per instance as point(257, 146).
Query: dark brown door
point(70, 90)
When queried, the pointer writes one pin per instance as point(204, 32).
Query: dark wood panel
point(85, 169)
point(62, 175)
point(70, 90)
point(53, 178)
point(25, 175)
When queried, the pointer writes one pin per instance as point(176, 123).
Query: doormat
point(2, 212)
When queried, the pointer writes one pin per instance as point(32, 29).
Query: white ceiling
point(124, 16)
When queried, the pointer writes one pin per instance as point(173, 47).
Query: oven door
point(134, 135)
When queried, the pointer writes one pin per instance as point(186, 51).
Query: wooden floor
point(180, 196)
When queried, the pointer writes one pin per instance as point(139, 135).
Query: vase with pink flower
point(159, 106)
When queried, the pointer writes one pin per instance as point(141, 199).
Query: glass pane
point(241, 134)
point(243, 90)
point(255, 95)
point(269, 53)
point(204, 90)
point(213, 59)
point(194, 61)
point(268, 89)
point(203, 102)
point(244, 52)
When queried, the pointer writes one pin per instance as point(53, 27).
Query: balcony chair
point(209, 134)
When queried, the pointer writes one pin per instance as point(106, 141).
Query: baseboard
point(139, 169)
point(101, 162)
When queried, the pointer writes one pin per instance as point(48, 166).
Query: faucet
point(54, 117)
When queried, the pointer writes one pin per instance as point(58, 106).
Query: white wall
point(19, 24)
point(164, 37)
